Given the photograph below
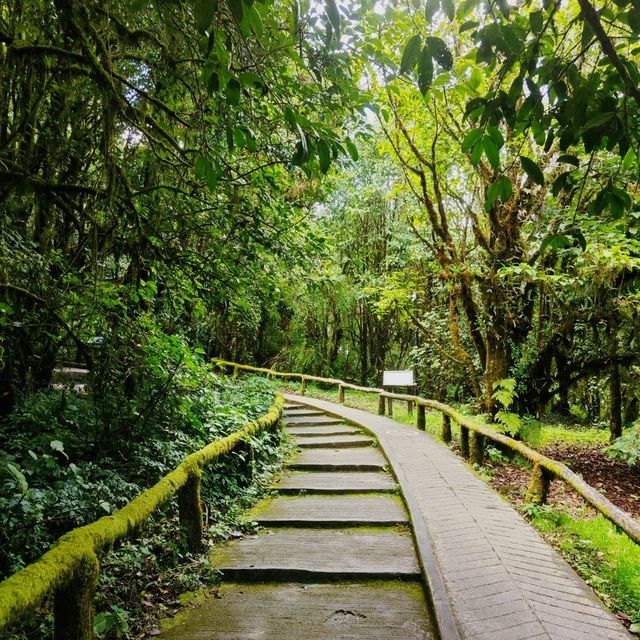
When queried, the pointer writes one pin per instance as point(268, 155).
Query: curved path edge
point(489, 574)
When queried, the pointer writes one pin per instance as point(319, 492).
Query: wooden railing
point(69, 571)
point(472, 443)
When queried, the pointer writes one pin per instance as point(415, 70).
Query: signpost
point(396, 379)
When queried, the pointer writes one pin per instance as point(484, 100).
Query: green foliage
point(627, 447)
point(113, 623)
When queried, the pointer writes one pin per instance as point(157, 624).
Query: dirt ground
point(617, 480)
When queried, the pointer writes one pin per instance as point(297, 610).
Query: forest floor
point(617, 480)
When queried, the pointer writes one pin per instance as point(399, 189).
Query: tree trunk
point(615, 402)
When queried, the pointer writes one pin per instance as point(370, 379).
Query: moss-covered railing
point(472, 443)
point(69, 571)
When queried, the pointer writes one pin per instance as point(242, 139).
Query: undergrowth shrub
point(67, 459)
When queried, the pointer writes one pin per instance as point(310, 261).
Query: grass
point(550, 434)
point(606, 558)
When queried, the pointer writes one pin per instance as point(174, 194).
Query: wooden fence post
point(410, 407)
point(340, 394)
point(303, 388)
point(73, 603)
point(390, 407)
point(421, 421)
point(236, 372)
point(538, 488)
point(446, 428)
point(477, 448)
point(190, 510)
point(464, 441)
point(381, 404)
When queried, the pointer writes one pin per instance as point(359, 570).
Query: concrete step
point(320, 420)
point(330, 511)
point(303, 412)
point(355, 459)
point(322, 431)
point(333, 442)
point(361, 611)
point(340, 482)
point(318, 555)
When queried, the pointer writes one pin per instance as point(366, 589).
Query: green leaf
point(410, 54)
point(633, 17)
point(18, 477)
point(301, 154)
point(238, 137)
point(57, 445)
point(471, 138)
point(569, 159)
point(491, 151)
point(496, 135)
point(425, 71)
point(500, 189)
point(536, 21)
point(532, 170)
point(449, 9)
point(204, 11)
point(439, 51)
point(560, 183)
point(352, 149)
point(467, 26)
point(515, 90)
point(233, 92)
point(430, 9)
point(255, 21)
point(598, 121)
point(491, 196)
point(237, 9)
point(505, 189)
point(334, 16)
point(324, 156)
point(476, 152)
point(213, 83)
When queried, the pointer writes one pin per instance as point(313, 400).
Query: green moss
point(23, 592)
point(539, 485)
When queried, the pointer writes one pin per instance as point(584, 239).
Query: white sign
point(398, 378)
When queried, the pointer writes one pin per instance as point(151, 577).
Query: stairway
point(334, 558)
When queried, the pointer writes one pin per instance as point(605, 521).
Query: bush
point(627, 447)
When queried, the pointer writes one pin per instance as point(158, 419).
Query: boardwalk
point(341, 556)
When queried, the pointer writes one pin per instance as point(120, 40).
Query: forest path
point(336, 559)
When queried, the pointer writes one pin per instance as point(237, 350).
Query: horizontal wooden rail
point(69, 571)
point(544, 469)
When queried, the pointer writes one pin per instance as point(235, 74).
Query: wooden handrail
point(69, 571)
point(544, 469)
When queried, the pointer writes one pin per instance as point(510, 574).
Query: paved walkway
point(501, 579)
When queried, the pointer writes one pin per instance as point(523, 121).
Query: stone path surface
point(484, 564)
point(335, 559)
